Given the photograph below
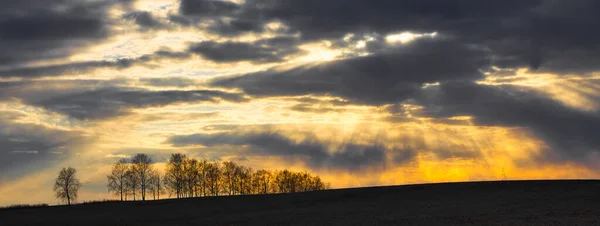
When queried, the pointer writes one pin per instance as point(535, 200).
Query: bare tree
point(245, 175)
point(203, 174)
point(230, 177)
point(174, 176)
point(156, 186)
point(67, 185)
point(131, 183)
point(141, 168)
point(118, 178)
point(213, 178)
point(262, 181)
point(189, 177)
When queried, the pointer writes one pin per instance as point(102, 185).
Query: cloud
point(235, 27)
point(169, 82)
point(27, 147)
point(103, 99)
point(349, 157)
point(264, 50)
point(180, 20)
point(385, 77)
point(176, 117)
point(144, 19)
point(519, 33)
point(32, 30)
point(207, 7)
point(113, 102)
point(87, 66)
point(570, 133)
point(261, 51)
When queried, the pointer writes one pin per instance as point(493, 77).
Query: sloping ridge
point(562, 202)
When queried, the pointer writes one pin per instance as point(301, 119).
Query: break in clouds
point(85, 81)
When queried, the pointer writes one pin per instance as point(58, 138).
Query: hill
point(565, 202)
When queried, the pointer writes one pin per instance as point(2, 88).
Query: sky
point(359, 92)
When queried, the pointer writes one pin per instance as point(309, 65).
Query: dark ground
point(478, 203)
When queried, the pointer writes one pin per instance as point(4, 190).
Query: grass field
point(575, 202)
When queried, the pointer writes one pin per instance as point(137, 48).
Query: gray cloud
point(33, 30)
point(349, 157)
point(207, 7)
point(101, 99)
point(234, 27)
point(28, 147)
point(169, 82)
point(86, 66)
point(314, 109)
point(533, 33)
point(265, 50)
point(113, 102)
point(144, 19)
point(570, 133)
point(388, 76)
point(177, 117)
point(180, 20)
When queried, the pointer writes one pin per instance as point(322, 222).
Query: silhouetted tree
point(202, 173)
point(262, 181)
point(155, 184)
point(213, 178)
point(174, 175)
point(67, 185)
point(141, 168)
point(131, 183)
point(189, 177)
point(244, 175)
point(118, 178)
point(230, 171)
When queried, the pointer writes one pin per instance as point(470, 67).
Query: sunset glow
point(359, 99)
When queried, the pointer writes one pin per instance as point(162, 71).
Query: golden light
point(320, 51)
point(575, 91)
point(406, 37)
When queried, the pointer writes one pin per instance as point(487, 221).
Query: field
point(575, 202)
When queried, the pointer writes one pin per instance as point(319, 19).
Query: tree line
point(186, 177)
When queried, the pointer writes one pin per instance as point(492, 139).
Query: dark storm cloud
point(348, 157)
point(207, 7)
point(331, 19)
point(388, 76)
point(264, 50)
point(112, 102)
point(570, 133)
point(86, 66)
point(45, 29)
point(233, 27)
point(27, 147)
point(533, 33)
point(143, 19)
point(169, 82)
point(181, 20)
point(315, 109)
point(60, 69)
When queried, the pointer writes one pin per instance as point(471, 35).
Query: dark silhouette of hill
point(559, 202)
